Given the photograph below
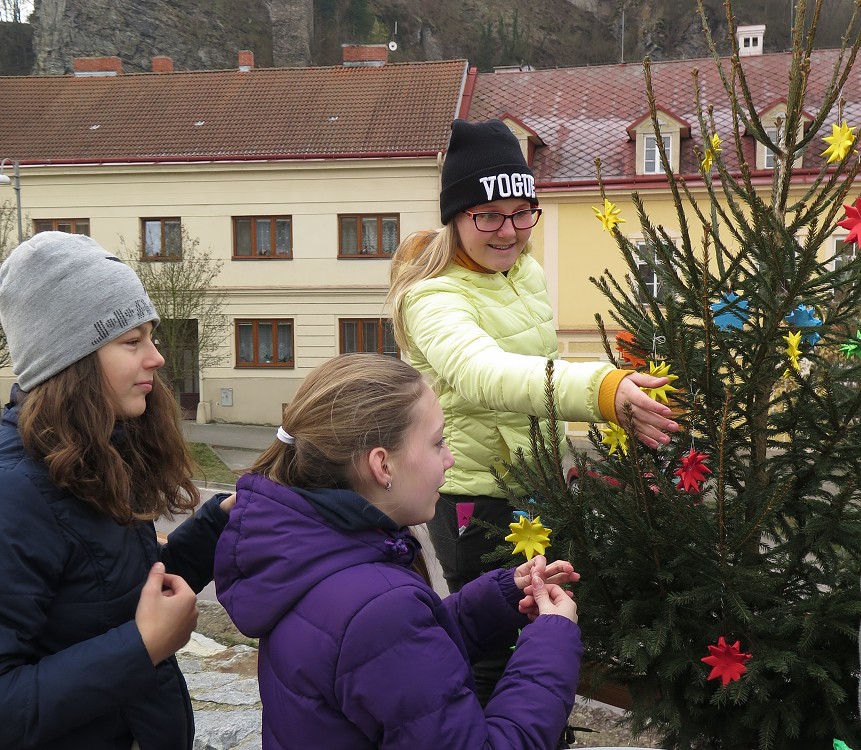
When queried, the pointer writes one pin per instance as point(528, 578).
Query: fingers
point(523, 573)
point(154, 580)
point(173, 584)
point(652, 419)
point(561, 570)
point(552, 600)
point(166, 613)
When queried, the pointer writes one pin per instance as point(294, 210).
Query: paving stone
point(228, 730)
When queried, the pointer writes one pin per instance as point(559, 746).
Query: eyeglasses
point(492, 221)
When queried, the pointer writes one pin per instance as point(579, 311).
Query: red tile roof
point(287, 113)
point(582, 113)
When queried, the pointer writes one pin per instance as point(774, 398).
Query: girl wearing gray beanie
point(471, 312)
point(92, 607)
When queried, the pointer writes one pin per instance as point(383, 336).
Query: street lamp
point(15, 182)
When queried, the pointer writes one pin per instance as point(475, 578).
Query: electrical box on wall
point(226, 397)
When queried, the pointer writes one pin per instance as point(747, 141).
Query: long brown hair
point(346, 407)
point(134, 469)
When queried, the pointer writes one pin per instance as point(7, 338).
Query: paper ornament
point(727, 662)
point(529, 537)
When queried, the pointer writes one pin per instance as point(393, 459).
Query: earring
point(388, 486)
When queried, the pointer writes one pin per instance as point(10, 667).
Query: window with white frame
point(775, 134)
point(843, 253)
point(646, 267)
point(651, 154)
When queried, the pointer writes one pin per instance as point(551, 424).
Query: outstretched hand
point(166, 613)
point(555, 575)
point(652, 419)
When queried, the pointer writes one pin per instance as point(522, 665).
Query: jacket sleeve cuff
point(607, 393)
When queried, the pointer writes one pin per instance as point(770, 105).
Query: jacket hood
point(280, 542)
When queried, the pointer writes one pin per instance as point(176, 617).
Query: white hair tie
point(284, 436)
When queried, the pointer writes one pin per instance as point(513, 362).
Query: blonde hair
point(343, 409)
point(422, 255)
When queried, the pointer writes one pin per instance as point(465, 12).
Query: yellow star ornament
point(839, 142)
point(529, 537)
point(615, 438)
point(793, 341)
point(609, 216)
point(711, 150)
point(661, 370)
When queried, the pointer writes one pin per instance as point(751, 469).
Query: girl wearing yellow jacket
point(471, 312)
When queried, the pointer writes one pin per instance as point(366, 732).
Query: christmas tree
point(720, 574)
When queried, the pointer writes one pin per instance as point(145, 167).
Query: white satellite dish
point(393, 45)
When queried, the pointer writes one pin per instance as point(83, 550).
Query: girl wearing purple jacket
point(317, 561)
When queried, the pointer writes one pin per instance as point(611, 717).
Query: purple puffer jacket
point(357, 651)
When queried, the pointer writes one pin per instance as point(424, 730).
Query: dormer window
point(672, 130)
point(773, 119)
point(652, 154)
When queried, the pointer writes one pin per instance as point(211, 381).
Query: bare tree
point(193, 325)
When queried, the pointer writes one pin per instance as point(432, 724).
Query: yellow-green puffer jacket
point(483, 341)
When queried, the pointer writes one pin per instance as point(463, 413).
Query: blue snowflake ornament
point(730, 312)
point(801, 317)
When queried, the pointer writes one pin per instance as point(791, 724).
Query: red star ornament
point(727, 662)
point(852, 222)
point(693, 471)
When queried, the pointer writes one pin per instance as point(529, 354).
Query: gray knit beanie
point(62, 297)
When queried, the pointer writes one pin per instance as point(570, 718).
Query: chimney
point(97, 66)
point(162, 64)
point(369, 55)
point(246, 60)
point(750, 40)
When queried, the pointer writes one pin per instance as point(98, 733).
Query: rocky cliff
point(206, 34)
point(195, 34)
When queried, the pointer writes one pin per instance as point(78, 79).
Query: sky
point(26, 7)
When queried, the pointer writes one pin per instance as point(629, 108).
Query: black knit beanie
point(484, 163)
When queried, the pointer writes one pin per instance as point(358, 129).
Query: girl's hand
point(559, 572)
point(556, 573)
point(652, 419)
point(166, 613)
point(227, 504)
point(552, 600)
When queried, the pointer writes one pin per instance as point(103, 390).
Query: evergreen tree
point(747, 528)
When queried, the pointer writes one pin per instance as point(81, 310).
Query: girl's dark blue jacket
point(74, 672)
